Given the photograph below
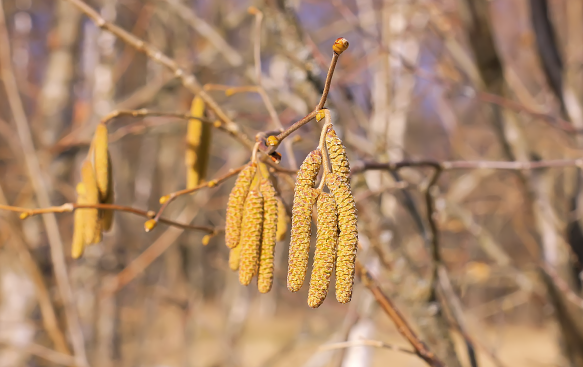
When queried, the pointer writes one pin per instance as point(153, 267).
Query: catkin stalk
point(270, 214)
point(348, 237)
point(91, 216)
point(304, 199)
point(250, 243)
point(337, 154)
point(326, 243)
point(78, 243)
point(198, 143)
point(236, 203)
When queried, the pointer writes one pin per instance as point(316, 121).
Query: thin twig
point(69, 207)
point(42, 195)
point(45, 353)
point(365, 342)
point(167, 199)
point(188, 80)
point(398, 319)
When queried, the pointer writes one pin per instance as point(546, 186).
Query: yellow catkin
point(304, 199)
point(101, 162)
point(250, 243)
point(234, 258)
point(282, 220)
point(78, 243)
point(326, 243)
point(309, 169)
point(91, 216)
point(198, 143)
point(107, 215)
point(236, 203)
point(337, 154)
point(301, 232)
point(348, 237)
point(268, 238)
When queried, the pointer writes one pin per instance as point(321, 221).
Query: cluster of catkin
point(337, 235)
point(255, 221)
point(96, 187)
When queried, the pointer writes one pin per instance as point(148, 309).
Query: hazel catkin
point(91, 216)
point(234, 257)
point(337, 154)
point(236, 203)
point(107, 215)
point(78, 243)
point(326, 243)
point(102, 161)
point(309, 169)
point(250, 242)
point(198, 144)
point(348, 236)
point(301, 232)
point(270, 214)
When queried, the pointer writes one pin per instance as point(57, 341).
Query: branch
point(365, 342)
point(188, 80)
point(69, 207)
point(398, 319)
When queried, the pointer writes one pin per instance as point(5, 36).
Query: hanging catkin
point(234, 257)
point(236, 203)
point(107, 215)
point(92, 232)
point(78, 245)
point(198, 143)
point(348, 237)
point(327, 240)
point(270, 214)
point(337, 154)
point(101, 161)
point(304, 199)
point(250, 243)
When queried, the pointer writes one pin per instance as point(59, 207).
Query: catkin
point(282, 220)
point(304, 199)
point(91, 216)
point(337, 154)
point(198, 141)
point(101, 161)
point(250, 243)
point(78, 245)
point(234, 258)
point(348, 237)
point(327, 240)
point(236, 203)
point(107, 215)
point(270, 214)
point(299, 248)
point(309, 169)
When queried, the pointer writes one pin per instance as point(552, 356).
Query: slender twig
point(167, 199)
point(69, 207)
point(562, 285)
point(365, 342)
point(398, 319)
point(45, 353)
point(42, 195)
point(188, 80)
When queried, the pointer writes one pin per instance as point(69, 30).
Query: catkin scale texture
point(251, 230)
point(236, 203)
point(304, 199)
point(337, 154)
point(326, 243)
point(270, 214)
point(348, 237)
point(91, 216)
point(299, 248)
point(78, 243)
